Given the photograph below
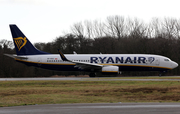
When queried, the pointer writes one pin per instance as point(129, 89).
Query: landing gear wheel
point(162, 73)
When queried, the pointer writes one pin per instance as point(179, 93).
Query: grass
point(16, 93)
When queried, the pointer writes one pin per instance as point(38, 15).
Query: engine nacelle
point(110, 70)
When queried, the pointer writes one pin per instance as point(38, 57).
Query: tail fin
point(22, 44)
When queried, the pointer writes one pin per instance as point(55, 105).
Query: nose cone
point(174, 64)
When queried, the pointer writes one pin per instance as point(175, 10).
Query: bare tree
point(170, 28)
point(156, 25)
point(178, 29)
point(136, 28)
point(115, 26)
point(88, 29)
point(78, 29)
point(98, 29)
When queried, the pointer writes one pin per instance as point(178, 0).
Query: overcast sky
point(44, 20)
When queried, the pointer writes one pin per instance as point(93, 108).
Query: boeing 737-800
point(92, 63)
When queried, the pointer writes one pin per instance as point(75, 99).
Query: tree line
point(115, 35)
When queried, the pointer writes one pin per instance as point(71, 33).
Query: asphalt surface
point(26, 79)
point(85, 79)
point(96, 108)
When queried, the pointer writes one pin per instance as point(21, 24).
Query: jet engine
point(110, 70)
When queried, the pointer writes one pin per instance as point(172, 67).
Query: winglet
point(62, 56)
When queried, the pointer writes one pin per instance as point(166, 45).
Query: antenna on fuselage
point(74, 52)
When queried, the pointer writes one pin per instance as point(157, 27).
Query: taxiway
point(95, 108)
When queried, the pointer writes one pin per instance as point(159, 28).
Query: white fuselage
point(125, 62)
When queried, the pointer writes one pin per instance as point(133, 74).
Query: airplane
point(108, 64)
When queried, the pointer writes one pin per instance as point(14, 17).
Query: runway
point(85, 79)
point(95, 108)
point(26, 79)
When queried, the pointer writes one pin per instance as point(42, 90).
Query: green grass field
point(15, 93)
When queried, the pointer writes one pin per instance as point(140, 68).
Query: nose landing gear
point(162, 73)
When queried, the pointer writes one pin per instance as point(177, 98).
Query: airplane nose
point(174, 64)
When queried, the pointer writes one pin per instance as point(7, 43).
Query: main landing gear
point(92, 74)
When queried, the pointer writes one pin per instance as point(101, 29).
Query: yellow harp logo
point(20, 42)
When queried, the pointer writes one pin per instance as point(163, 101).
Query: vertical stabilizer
point(22, 44)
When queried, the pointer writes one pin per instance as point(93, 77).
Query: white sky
point(44, 20)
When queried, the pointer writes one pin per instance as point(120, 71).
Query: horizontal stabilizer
point(15, 56)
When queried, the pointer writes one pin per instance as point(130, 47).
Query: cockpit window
point(166, 59)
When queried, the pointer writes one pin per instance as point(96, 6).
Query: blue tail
point(22, 44)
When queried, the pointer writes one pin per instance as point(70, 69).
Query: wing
point(81, 65)
point(86, 65)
